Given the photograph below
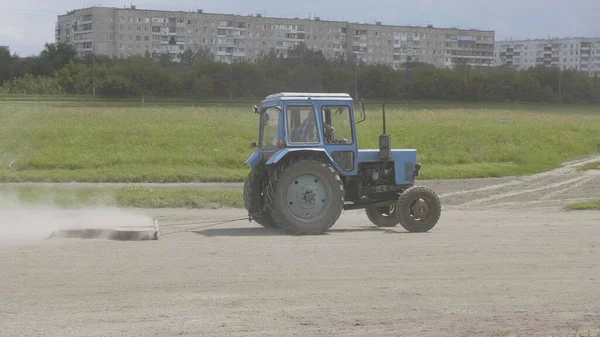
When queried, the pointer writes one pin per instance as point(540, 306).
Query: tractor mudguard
point(281, 153)
point(254, 159)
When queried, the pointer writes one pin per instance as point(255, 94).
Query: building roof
point(313, 19)
point(550, 40)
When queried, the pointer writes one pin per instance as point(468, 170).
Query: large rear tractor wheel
point(305, 196)
point(254, 199)
point(418, 209)
point(382, 216)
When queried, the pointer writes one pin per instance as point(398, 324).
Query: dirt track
point(504, 258)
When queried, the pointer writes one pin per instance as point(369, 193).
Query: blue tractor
point(307, 168)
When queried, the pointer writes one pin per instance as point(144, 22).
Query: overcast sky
point(25, 25)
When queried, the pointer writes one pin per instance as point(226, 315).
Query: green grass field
point(139, 197)
point(54, 141)
point(588, 205)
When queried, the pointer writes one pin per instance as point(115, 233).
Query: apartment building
point(581, 54)
point(234, 38)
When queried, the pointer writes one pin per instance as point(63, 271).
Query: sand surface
point(504, 260)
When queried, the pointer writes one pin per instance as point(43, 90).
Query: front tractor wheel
point(382, 216)
point(418, 209)
point(305, 196)
point(254, 199)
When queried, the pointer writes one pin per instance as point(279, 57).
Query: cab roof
point(308, 95)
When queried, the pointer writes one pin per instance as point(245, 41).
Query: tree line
point(57, 69)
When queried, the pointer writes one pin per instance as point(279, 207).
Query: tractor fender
point(281, 153)
point(254, 159)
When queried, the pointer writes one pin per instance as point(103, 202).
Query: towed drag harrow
point(123, 233)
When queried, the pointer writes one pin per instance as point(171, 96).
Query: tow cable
point(208, 223)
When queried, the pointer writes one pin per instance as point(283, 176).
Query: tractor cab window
point(270, 128)
point(337, 124)
point(302, 124)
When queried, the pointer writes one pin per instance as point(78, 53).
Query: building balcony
point(231, 25)
point(81, 31)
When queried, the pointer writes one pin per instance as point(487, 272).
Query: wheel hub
point(420, 209)
point(306, 196)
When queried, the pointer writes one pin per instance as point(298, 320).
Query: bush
point(33, 85)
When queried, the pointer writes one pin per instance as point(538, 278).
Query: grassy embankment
point(179, 144)
point(593, 205)
point(102, 142)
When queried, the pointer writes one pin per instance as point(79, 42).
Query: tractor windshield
point(269, 130)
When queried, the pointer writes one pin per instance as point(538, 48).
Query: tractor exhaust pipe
point(385, 142)
point(383, 111)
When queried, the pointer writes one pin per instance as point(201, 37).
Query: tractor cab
point(296, 122)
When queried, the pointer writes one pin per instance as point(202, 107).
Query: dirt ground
point(504, 260)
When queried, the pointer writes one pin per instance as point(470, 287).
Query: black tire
point(382, 216)
point(305, 185)
point(426, 201)
point(254, 199)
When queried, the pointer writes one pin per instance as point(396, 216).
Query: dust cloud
point(24, 223)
